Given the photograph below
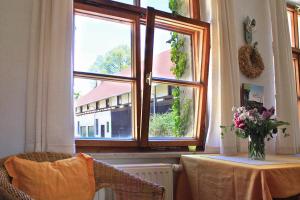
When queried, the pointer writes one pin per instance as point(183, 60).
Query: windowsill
point(143, 155)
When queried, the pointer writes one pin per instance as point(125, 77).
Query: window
point(107, 127)
point(107, 103)
point(102, 131)
point(82, 131)
point(119, 99)
point(143, 71)
point(97, 127)
point(77, 129)
point(91, 132)
point(294, 25)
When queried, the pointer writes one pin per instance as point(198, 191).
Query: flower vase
point(256, 148)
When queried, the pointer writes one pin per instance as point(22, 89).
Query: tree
point(114, 61)
point(76, 95)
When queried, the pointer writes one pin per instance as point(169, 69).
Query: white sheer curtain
point(286, 99)
point(49, 112)
point(223, 92)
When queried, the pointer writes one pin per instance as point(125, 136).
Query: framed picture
point(252, 96)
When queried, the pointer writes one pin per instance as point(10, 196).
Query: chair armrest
point(9, 191)
point(4, 195)
point(125, 185)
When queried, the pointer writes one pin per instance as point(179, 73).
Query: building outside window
point(141, 71)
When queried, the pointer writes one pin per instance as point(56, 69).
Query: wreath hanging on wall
point(250, 61)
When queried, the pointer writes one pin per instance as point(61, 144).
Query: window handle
point(149, 78)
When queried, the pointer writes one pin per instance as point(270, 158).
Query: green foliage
point(169, 124)
point(76, 95)
point(174, 123)
point(178, 54)
point(161, 125)
point(176, 112)
point(180, 105)
point(114, 61)
point(185, 116)
point(179, 58)
point(264, 129)
point(180, 113)
point(175, 6)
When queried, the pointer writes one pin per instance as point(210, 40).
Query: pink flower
point(238, 122)
point(242, 126)
point(236, 115)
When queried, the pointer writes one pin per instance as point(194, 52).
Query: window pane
point(172, 55)
point(99, 51)
point(172, 111)
point(97, 112)
point(182, 6)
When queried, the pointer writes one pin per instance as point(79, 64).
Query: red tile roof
point(162, 64)
point(104, 90)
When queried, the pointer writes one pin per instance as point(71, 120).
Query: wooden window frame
point(140, 16)
point(192, 28)
point(103, 9)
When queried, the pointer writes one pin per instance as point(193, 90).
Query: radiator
point(161, 174)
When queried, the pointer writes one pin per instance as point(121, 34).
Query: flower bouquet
point(256, 124)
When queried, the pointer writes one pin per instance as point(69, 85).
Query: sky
point(91, 40)
point(95, 37)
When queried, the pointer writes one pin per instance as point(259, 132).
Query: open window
point(140, 73)
point(180, 66)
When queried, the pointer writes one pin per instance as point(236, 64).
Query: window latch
point(149, 78)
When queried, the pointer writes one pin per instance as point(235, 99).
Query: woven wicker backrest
point(124, 185)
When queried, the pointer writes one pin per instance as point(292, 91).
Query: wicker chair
point(124, 185)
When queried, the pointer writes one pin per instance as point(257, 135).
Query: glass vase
point(256, 148)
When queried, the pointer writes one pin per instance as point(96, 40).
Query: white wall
point(89, 120)
point(258, 9)
point(15, 17)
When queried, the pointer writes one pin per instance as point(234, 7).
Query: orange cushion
point(66, 179)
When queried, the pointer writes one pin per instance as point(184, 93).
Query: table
point(214, 177)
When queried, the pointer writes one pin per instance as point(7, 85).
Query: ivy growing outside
point(176, 122)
